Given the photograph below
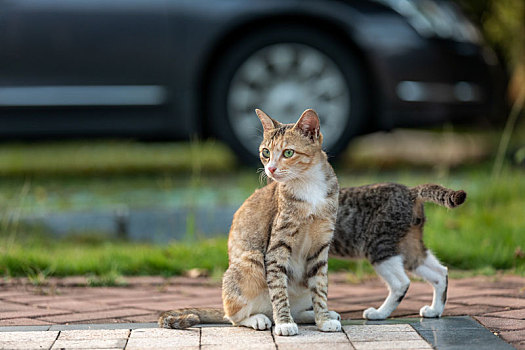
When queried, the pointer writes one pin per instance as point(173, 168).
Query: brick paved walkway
point(498, 303)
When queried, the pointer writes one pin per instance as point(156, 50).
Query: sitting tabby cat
point(279, 239)
point(384, 223)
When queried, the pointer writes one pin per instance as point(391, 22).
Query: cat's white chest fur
point(311, 188)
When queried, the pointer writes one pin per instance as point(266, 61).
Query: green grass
point(103, 261)
point(483, 236)
point(113, 157)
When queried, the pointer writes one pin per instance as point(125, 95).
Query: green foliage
point(113, 157)
point(503, 25)
point(486, 234)
point(105, 262)
point(487, 230)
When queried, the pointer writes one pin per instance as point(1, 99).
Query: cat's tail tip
point(457, 198)
point(167, 320)
point(440, 195)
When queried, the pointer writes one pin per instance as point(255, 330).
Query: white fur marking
point(311, 187)
point(393, 274)
point(435, 274)
point(330, 326)
point(258, 322)
point(286, 329)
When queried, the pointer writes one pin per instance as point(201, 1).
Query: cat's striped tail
point(440, 195)
point(184, 318)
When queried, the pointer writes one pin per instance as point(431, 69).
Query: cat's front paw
point(334, 315)
point(373, 314)
point(427, 311)
point(286, 329)
point(259, 322)
point(330, 326)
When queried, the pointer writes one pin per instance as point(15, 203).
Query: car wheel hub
point(284, 80)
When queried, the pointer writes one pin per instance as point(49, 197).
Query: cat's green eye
point(266, 153)
point(288, 153)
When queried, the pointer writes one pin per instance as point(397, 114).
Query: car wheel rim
point(283, 80)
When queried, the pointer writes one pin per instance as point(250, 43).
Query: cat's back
point(365, 212)
point(371, 197)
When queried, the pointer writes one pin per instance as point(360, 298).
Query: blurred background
point(128, 136)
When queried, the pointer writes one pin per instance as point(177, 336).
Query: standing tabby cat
point(384, 223)
point(279, 239)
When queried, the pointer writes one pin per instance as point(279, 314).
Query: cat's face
point(288, 151)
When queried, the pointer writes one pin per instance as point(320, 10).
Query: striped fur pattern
point(184, 318)
point(279, 238)
point(384, 224)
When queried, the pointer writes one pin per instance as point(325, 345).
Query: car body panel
point(170, 46)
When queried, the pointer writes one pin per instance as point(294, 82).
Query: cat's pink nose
point(272, 169)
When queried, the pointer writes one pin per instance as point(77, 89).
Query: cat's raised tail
point(440, 195)
point(184, 318)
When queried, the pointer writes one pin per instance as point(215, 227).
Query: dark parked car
point(178, 68)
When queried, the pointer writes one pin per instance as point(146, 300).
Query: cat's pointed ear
point(267, 122)
point(309, 125)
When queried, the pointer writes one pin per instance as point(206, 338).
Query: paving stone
point(32, 312)
point(511, 336)
point(518, 314)
point(27, 297)
point(149, 318)
point(89, 344)
point(160, 339)
point(25, 336)
point(383, 327)
point(84, 334)
point(162, 343)
point(471, 310)
point(73, 305)
point(312, 335)
point(316, 346)
point(520, 345)
point(381, 333)
point(380, 336)
point(7, 306)
point(23, 321)
point(96, 315)
point(26, 345)
point(492, 299)
point(236, 338)
point(347, 307)
point(384, 345)
point(496, 301)
point(446, 324)
point(62, 327)
point(478, 339)
point(501, 323)
point(460, 293)
point(162, 333)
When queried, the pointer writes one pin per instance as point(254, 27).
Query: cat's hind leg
point(437, 275)
point(245, 294)
point(392, 272)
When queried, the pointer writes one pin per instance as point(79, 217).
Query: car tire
point(343, 67)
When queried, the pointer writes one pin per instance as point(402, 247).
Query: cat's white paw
point(373, 314)
point(330, 326)
point(334, 315)
point(259, 322)
point(427, 311)
point(286, 329)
